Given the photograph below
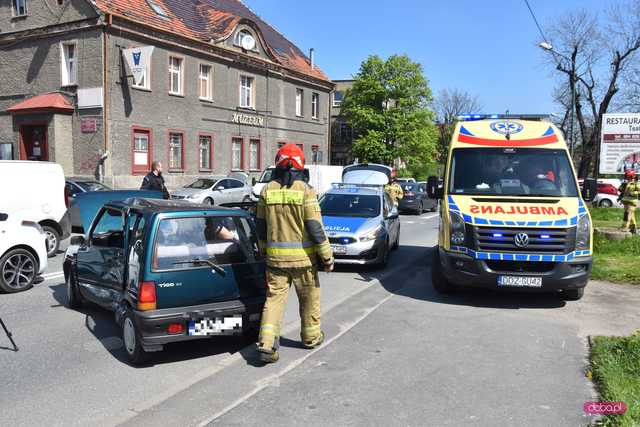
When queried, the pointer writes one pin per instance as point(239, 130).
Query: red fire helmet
point(290, 156)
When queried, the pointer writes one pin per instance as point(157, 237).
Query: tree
point(595, 56)
point(448, 105)
point(388, 108)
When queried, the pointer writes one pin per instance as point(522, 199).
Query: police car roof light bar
point(354, 185)
point(533, 117)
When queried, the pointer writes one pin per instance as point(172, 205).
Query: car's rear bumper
point(465, 271)
point(153, 324)
point(413, 205)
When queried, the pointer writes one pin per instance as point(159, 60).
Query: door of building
point(33, 143)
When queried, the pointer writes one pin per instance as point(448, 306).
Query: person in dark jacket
point(153, 181)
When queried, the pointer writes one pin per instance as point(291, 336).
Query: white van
point(320, 177)
point(35, 191)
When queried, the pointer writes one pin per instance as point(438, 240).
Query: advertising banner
point(138, 59)
point(620, 143)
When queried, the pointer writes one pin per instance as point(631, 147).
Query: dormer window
point(245, 40)
point(157, 8)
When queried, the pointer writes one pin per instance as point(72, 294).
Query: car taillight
point(609, 189)
point(147, 296)
point(66, 196)
point(175, 328)
point(409, 194)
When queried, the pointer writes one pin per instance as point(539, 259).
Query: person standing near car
point(291, 235)
point(153, 181)
point(394, 191)
point(630, 201)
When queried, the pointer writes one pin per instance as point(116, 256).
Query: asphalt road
point(396, 354)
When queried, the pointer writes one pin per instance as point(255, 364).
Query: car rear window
point(224, 240)
point(354, 205)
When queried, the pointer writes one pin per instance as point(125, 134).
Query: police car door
point(391, 219)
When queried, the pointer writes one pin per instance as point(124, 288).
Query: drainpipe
point(106, 164)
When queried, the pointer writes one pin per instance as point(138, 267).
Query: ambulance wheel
point(439, 282)
point(573, 294)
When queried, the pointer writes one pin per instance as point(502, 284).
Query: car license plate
point(520, 281)
point(217, 326)
point(339, 249)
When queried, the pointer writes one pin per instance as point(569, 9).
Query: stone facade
point(33, 66)
point(341, 131)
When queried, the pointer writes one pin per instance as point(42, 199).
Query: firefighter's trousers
point(629, 217)
point(307, 285)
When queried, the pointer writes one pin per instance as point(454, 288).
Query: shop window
point(236, 154)
point(69, 63)
point(206, 152)
point(254, 154)
point(176, 151)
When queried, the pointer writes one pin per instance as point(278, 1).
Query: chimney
point(312, 58)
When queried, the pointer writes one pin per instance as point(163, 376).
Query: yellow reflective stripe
point(269, 329)
point(290, 251)
point(311, 328)
point(284, 197)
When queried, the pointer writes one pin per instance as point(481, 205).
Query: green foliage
point(614, 363)
point(388, 109)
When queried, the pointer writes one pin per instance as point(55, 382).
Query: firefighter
point(292, 237)
point(630, 201)
point(394, 191)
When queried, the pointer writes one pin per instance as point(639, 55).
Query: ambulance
point(511, 215)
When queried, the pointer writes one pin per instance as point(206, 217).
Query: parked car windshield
point(267, 175)
point(350, 205)
point(221, 239)
point(201, 184)
point(511, 171)
point(92, 186)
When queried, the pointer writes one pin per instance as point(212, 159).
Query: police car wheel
point(385, 255)
point(439, 282)
point(572, 294)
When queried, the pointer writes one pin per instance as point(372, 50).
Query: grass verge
point(609, 217)
point(615, 365)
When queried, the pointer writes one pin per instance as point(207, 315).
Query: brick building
point(221, 91)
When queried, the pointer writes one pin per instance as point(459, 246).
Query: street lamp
point(549, 48)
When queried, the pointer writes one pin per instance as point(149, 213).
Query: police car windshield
point(352, 205)
point(511, 171)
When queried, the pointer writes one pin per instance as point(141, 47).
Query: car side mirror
point(220, 188)
point(589, 189)
point(434, 191)
point(77, 240)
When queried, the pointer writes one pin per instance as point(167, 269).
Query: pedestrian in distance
point(291, 236)
point(153, 181)
point(630, 195)
point(394, 190)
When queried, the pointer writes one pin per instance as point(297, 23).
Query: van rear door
point(205, 259)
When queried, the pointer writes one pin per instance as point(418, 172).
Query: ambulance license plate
point(339, 249)
point(217, 326)
point(520, 281)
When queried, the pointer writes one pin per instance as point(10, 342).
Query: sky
point(487, 48)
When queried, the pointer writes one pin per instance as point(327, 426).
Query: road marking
point(264, 383)
point(430, 216)
point(55, 275)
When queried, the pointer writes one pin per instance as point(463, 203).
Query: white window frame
point(299, 102)
point(182, 151)
point(242, 91)
point(180, 72)
point(15, 4)
point(337, 103)
point(315, 104)
point(240, 141)
point(209, 158)
point(237, 39)
point(257, 143)
point(209, 95)
point(67, 78)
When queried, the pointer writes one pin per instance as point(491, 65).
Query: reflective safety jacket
point(289, 225)
point(631, 194)
point(395, 192)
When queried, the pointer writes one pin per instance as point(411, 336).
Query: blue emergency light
point(472, 117)
point(497, 235)
point(545, 236)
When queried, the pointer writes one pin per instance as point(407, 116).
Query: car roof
point(154, 206)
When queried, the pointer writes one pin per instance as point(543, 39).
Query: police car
point(361, 223)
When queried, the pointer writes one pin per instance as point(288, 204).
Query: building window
point(19, 7)
point(246, 92)
point(205, 82)
point(176, 75)
point(157, 8)
point(300, 146)
point(141, 151)
point(315, 103)
point(248, 44)
point(69, 64)
point(236, 154)
point(254, 154)
point(316, 154)
point(6, 151)
point(299, 102)
point(345, 133)
point(338, 97)
point(176, 147)
point(206, 150)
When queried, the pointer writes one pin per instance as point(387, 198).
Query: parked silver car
point(215, 190)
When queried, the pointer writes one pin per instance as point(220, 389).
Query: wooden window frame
point(184, 142)
point(208, 135)
point(140, 129)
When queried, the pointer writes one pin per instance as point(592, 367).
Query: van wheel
point(572, 294)
point(18, 270)
point(132, 340)
point(74, 299)
point(53, 240)
point(439, 282)
point(208, 201)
